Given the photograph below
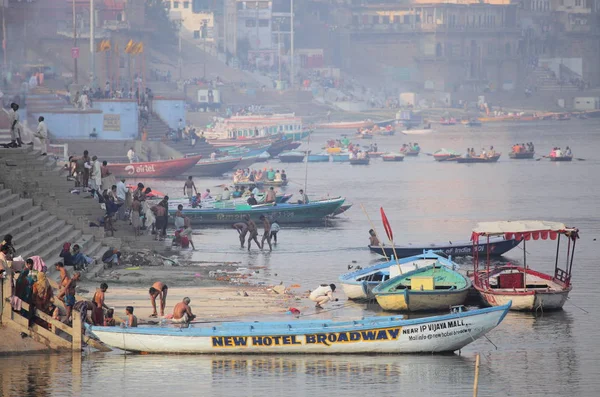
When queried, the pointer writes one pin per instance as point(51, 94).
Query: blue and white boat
point(358, 285)
point(340, 158)
point(389, 334)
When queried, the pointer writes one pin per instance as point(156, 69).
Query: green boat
point(429, 288)
point(284, 213)
point(297, 135)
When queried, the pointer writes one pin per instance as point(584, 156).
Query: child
point(274, 230)
point(131, 319)
point(109, 320)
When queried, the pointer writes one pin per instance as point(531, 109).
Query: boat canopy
point(523, 230)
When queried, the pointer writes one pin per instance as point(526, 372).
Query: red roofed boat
point(528, 290)
point(154, 169)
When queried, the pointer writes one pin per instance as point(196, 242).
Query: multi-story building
point(248, 30)
point(197, 22)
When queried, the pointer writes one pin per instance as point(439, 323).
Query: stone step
point(61, 229)
point(14, 223)
point(29, 230)
point(5, 192)
point(8, 200)
point(15, 208)
point(51, 255)
point(22, 229)
point(51, 230)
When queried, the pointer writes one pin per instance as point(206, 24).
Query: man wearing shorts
point(158, 289)
point(69, 298)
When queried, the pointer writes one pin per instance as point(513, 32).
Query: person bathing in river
point(132, 321)
point(190, 187)
point(322, 294)
point(252, 232)
point(158, 289)
point(373, 240)
point(266, 233)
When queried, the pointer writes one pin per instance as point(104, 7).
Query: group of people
point(247, 175)
point(484, 154)
point(248, 227)
point(410, 147)
point(558, 152)
point(16, 131)
point(523, 148)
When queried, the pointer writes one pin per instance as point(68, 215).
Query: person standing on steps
point(42, 134)
point(86, 169)
point(15, 134)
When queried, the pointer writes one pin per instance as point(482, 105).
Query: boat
point(216, 202)
point(261, 183)
point(411, 151)
point(346, 125)
point(318, 158)
point(445, 155)
point(291, 157)
point(422, 131)
point(340, 158)
point(247, 161)
point(386, 123)
point(372, 335)
point(343, 208)
point(358, 285)
point(284, 213)
point(393, 157)
point(376, 154)
point(492, 159)
point(430, 288)
point(154, 169)
point(242, 127)
point(364, 161)
point(214, 167)
point(529, 290)
point(497, 246)
point(521, 155)
point(561, 158)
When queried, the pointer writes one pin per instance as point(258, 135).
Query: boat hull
point(340, 158)
point(563, 158)
point(421, 301)
point(359, 161)
point(346, 125)
point(393, 335)
point(532, 301)
point(392, 158)
point(498, 246)
point(291, 158)
point(283, 213)
point(445, 157)
point(154, 169)
point(471, 160)
point(417, 132)
point(318, 158)
point(521, 155)
point(213, 168)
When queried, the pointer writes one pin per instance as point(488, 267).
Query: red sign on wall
point(75, 52)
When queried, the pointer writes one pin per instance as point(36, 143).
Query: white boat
point(358, 285)
point(418, 132)
point(528, 289)
point(392, 335)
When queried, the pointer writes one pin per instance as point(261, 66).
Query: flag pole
point(375, 231)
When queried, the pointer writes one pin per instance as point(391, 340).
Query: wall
point(170, 110)
point(128, 112)
point(73, 124)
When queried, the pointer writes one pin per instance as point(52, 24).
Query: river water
point(554, 354)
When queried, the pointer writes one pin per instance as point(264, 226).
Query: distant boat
point(364, 161)
point(561, 158)
point(340, 158)
point(497, 246)
point(492, 159)
point(445, 155)
point(422, 131)
point(214, 167)
point(358, 285)
point(521, 155)
point(291, 157)
point(154, 169)
point(430, 288)
point(371, 335)
point(393, 157)
point(318, 158)
point(473, 123)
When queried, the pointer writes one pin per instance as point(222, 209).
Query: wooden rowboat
point(521, 155)
point(561, 158)
point(360, 161)
point(393, 157)
point(384, 334)
point(492, 159)
point(154, 169)
point(433, 287)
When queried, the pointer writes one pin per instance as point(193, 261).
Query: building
point(197, 22)
point(248, 31)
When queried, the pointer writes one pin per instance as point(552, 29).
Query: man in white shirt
point(131, 156)
point(13, 117)
point(42, 135)
point(226, 194)
point(121, 198)
point(322, 294)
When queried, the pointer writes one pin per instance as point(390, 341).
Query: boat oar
point(374, 231)
point(543, 157)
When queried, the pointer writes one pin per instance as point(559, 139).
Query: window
point(250, 23)
point(186, 4)
point(407, 19)
point(375, 19)
point(263, 23)
point(577, 3)
point(355, 20)
point(386, 19)
point(196, 34)
point(175, 4)
point(396, 18)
